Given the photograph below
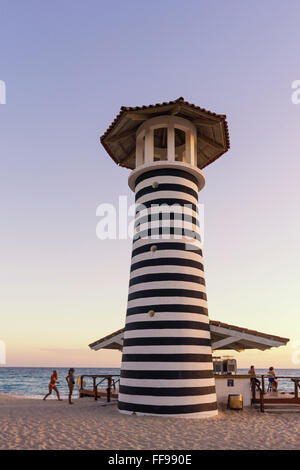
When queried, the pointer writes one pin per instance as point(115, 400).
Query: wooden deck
point(277, 397)
point(101, 393)
point(103, 386)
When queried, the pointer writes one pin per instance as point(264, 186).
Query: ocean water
point(33, 381)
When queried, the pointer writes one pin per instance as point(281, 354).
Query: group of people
point(54, 381)
point(273, 381)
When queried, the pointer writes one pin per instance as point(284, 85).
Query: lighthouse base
point(199, 409)
point(201, 415)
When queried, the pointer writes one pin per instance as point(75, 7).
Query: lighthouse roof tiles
point(212, 130)
point(238, 338)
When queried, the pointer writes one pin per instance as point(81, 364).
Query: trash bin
point(235, 402)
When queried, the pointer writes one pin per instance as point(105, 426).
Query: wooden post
point(108, 388)
point(262, 393)
point(95, 388)
point(262, 404)
point(80, 387)
point(296, 384)
point(253, 391)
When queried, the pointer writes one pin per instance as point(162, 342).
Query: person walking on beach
point(52, 386)
point(71, 382)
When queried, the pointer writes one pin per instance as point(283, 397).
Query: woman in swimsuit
point(52, 386)
point(71, 382)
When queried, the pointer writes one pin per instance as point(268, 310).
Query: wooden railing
point(96, 391)
point(296, 381)
point(258, 385)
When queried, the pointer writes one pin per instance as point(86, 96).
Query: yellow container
point(235, 402)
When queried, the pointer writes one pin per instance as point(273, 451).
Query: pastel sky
point(68, 67)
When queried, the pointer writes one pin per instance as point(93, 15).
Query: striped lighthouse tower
point(167, 365)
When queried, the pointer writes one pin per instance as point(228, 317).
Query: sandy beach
point(34, 424)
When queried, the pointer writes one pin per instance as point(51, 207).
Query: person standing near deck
point(71, 382)
point(52, 386)
point(252, 374)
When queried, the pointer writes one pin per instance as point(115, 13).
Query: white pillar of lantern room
point(167, 365)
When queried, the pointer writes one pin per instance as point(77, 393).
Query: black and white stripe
point(167, 359)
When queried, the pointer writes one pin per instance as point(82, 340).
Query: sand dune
point(35, 424)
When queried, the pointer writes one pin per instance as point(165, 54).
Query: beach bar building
point(226, 338)
point(167, 365)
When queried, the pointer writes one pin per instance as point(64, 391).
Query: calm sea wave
point(33, 381)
